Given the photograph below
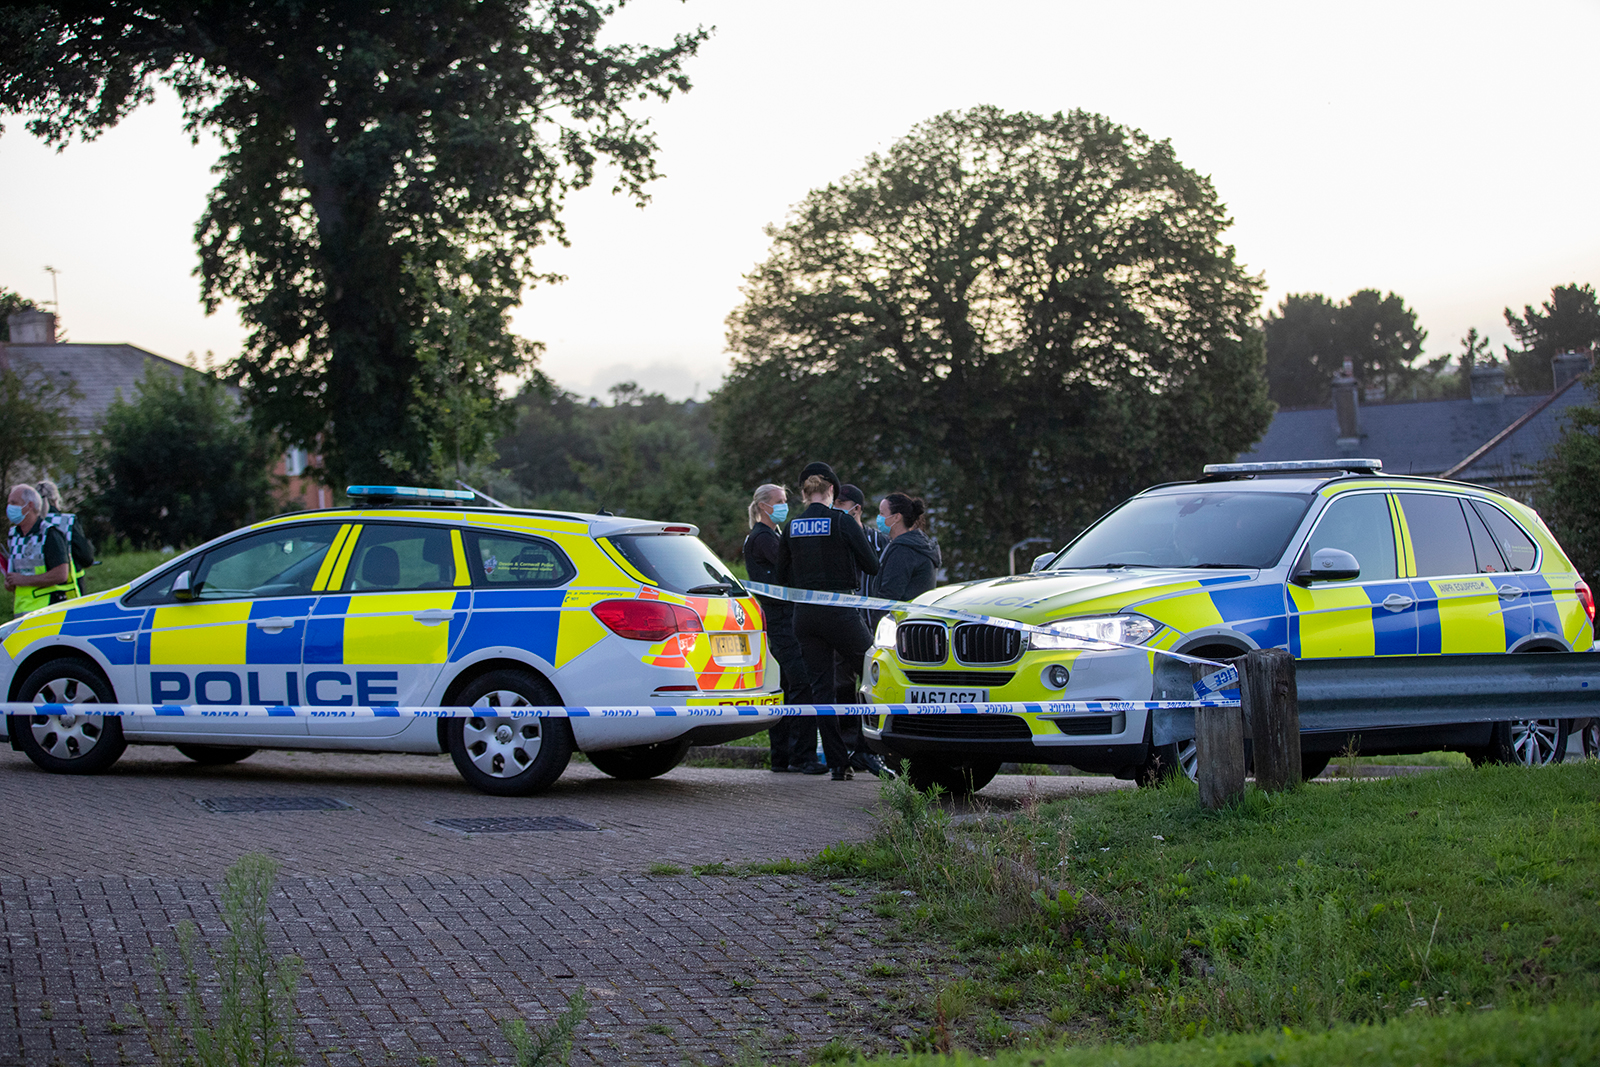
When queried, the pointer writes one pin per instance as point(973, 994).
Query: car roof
point(1303, 482)
point(594, 525)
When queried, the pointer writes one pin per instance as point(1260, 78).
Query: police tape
point(873, 603)
point(676, 711)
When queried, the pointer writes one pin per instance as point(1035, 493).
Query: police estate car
point(411, 597)
point(1324, 558)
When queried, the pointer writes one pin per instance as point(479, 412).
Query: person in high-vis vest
point(39, 562)
point(78, 543)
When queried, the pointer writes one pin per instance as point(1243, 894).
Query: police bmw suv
point(1323, 558)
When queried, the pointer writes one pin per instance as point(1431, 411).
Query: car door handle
point(1396, 602)
point(126, 637)
point(1510, 592)
point(433, 616)
point(275, 625)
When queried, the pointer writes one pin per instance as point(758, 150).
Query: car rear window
point(677, 563)
point(1203, 528)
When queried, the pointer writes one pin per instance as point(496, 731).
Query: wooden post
point(1272, 717)
point(1219, 752)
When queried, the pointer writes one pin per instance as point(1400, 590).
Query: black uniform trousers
point(793, 738)
point(823, 631)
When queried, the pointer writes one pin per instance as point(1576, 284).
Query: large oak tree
point(375, 156)
point(1022, 318)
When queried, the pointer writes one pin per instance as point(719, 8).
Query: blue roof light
point(408, 492)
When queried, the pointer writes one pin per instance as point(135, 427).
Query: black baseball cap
point(850, 493)
point(824, 470)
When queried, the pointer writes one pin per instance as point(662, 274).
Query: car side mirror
point(183, 587)
point(1040, 561)
point(1329, 565)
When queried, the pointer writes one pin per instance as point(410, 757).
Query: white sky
point(1445, 151)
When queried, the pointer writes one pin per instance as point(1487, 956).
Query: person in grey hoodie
point(911, 559)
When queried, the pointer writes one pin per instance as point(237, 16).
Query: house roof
point(99, 371)
point(1431, 436)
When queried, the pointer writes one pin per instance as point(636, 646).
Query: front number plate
point(947, 696)
point(730, 645)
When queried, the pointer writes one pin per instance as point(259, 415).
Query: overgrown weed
point(548, 1046)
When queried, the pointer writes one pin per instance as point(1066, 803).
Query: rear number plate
point(730, 645)
point(947, 696)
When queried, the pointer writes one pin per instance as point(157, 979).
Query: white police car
point(410, 597)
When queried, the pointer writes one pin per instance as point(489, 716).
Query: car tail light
point(1586, 598)
point(646, 620)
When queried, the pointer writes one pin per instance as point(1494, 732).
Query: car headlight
point(9, 628)
point(1106, 631)
point(883, 637)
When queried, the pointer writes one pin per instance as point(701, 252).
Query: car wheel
point(1526, 742)
point(638, 762)
point(502, 751)
point(1591, 739)
point(216, 755)
point(1166, 761)
point(68, 744)
point(1313, 764)
point(957, 779)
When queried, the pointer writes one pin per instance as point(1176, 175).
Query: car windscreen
point(1204, 528)
point(678, 563)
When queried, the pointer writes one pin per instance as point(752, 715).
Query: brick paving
point(418, 940)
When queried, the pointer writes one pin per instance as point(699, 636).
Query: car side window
point(391, 557)
point(1483, 546)
point(1360, 525)
point(500, 560)
point(283, 561)
point(1440, 540)
point(1515, 545)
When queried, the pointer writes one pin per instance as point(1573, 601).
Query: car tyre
point(1590, 733)
point(638, 762)
point(68, 744)
point(216, 755)
point(1313, 763)
point(504, 753)
point(1168, 761)
point(957, 779)
point(1525, 742)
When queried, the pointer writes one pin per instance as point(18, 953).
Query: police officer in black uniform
point(822, 549)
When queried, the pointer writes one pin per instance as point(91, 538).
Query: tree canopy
point(640, 455)
point(10, 304)
point(1568, 322)
point(1309, 337)
point(1021, 318)
point(178, 463)
point(374, 155)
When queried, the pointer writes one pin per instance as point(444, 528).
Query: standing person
point(821, 549)
point(39, 563)
point(911, 560)
point(847, 676)
point(78, 543)
point(794, 739)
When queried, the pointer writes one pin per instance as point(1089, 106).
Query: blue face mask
point(780, 512)
point(883, 526)
point(14, 514)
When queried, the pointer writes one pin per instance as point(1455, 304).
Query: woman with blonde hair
point(793, 740)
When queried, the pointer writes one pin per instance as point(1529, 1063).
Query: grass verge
point(1137, 916)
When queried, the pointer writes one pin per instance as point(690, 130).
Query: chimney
point(1488, 383)
point(1347, 408)
point(1569, 365)
point(32, 328)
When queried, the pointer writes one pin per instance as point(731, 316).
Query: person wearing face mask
point(822, 549)
point(38, 564)
point(912, 558)
point(793, 740)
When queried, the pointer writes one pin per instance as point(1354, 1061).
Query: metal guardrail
point(1362, 693)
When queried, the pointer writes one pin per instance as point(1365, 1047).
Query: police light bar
point(406, 492)
point(1370, 465)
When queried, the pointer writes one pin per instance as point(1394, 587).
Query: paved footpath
point(418, 939)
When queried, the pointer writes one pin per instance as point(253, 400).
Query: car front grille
point(982, 643)
point(967, 727)
point(963, 679)
point(921, 642)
